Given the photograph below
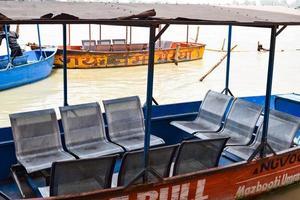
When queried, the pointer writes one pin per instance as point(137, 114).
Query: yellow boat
point(123, 55)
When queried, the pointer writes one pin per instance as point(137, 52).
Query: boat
point(124, 55)
point(26, 69)
point(228, 176)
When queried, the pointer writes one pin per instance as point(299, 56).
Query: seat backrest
point(213, 107)
point(103, 47)
point(82, 124)
point(119, 47)
point(282, 130)
point(35, 132)
point(124, 117)
point(160, 160)
point(103, 41)
point(137, 47)
point(118, 41)
point(242, 118)
point(195, 155)
point(77, 176)
point(166, 44)
point(89, 44)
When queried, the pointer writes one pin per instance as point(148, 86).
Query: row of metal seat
point(71, 177)
point(38, 140)
point(118, 45)
point(222, 116)
point(106, 41)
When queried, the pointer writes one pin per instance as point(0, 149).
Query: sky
point(289, 3)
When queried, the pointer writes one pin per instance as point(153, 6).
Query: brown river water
point(172, 83)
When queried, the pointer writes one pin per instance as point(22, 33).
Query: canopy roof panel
point(134, 14)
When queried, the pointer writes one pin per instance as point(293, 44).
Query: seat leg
point(20, 177)
point(46, 174)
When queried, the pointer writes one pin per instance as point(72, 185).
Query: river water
point(171, 83)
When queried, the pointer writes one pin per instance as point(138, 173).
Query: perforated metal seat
point(281, 132)
point(89, 45)
point(85, 132)
point(210, 115)
point(37, 139)
point(74, 177)
point(125, 122)
point(104, 41)
point(195, 155)
point(239, 125)
point(160, 160)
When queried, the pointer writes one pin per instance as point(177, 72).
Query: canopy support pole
point(187, 34)
point(65, 65)
point(100, 32)
point(39, 38)
point(69, 34)
point(226, 89)
point(90, 36)
point(268, 90)
point(148, 108)
point(7, 46)
point(130, 36)
point(261, 149)
point(152, 40)
point(126, 36)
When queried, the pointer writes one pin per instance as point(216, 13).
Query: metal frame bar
point(226, 89)
point(100, 32)
point(69, 34)
point(39, 38)
point(65, 65)
point(7, 45)
point(268, 90)
point(90, 36)
point(144, 22)
point(161, 32)
point(280, 30)
point(150, 75)
point(187, 33)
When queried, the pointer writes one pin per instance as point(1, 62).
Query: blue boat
point(30, 67)
point(222, 147)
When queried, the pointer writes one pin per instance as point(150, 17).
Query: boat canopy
point(142, 14)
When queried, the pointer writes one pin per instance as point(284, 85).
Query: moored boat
point(30, 67)
point(258, 157)
point(123, 55)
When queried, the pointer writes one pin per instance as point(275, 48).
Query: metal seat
point(118, 41)
point(160, 160)
point(210, 115)
point(239, 125)
point(119, 47)
point(137, 47)
point(125, 122)
point(84, 131)
point(103, 47)
point(195, 155)
point(281, 132)
point(37, 139)
point(89, 45)
point(107, 42)
point(77, 176)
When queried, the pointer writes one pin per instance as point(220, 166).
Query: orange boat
point(124, 55)
point(245, 146)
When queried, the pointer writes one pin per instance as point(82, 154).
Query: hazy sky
point(203, 1)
